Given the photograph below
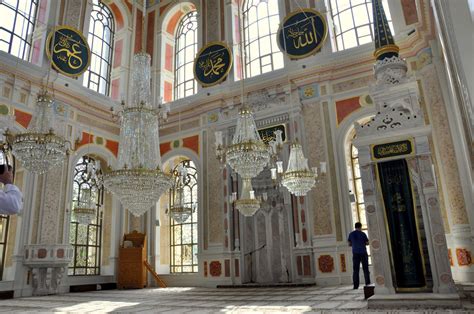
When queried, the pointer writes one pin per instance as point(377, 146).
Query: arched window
point(356, 191)
point(353, 22)
point(5, 158)
point(100, 39)
point(185, 51)
point(86, 238)
point(17, 24)
point(261, 20)
point(184, 232)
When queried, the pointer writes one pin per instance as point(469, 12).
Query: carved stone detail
point(390, 71)
point(326, 263)
point(48, 264)
point(370, 209)
point(375, 244)
point(380, 280)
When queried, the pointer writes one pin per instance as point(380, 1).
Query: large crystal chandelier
point(298, 178)
point(138, 181)
point(248, 154)
point(182, 206)
point(40, 148)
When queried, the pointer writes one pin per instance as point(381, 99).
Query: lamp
point(40, 148)
point(85, 211)
point(139, 181)
point(181, 208)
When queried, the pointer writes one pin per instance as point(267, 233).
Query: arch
point(93, 149)
point(121, 15)
point(162, 233)
point(342, 139)
point(89, 149)
point(171, 18)
point(182, 151)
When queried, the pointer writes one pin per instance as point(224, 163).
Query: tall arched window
point(101, 40)
point(353, 22)
point(261, 20)
point(16, 26)
point(356, 191)
point(86, 238)
point(184, 234)
point(5, 158)
point(185, 51)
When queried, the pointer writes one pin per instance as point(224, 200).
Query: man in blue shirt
point(358, 240)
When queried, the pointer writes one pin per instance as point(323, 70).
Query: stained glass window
point(357, 194)
point(101, 40)
point(261, 20)
point(17, 24)
point(184, 236)
point(86, 239)
point(353, 22)
point(185, 51)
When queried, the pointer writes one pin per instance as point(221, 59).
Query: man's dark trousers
point(356, 260)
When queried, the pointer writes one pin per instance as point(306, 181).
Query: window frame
point(186, 78)
point(356, 28)
point(30, 20)
point(104, 62)
point(73, 267)
point(259, 57)
point(357, 190)
point(192, 221)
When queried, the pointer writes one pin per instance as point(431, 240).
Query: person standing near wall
point(358, 241)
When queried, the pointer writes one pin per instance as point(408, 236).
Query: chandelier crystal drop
point(298, 178)
point(40, 148)
point(248, 154)
point(138, 180)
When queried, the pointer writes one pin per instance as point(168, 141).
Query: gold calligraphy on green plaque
point(394, 149)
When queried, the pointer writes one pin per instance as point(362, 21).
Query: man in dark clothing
point(358, 240)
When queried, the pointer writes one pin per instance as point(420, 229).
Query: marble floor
point(340, 299)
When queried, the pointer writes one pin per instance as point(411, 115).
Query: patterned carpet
point(204, 300)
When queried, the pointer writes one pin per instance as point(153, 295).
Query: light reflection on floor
point(205, 300)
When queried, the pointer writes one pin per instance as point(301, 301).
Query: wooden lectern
point(132, 255)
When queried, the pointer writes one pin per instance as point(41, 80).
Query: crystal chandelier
point(86, 210)
point(248, 154)
point(298, 179)
point(138, 181)
point(39, 149)
point(247, 204)
point(182, 206)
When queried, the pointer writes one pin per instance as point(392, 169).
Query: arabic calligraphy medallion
point(302, 33)
point(212, 64)
point(68, 51)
